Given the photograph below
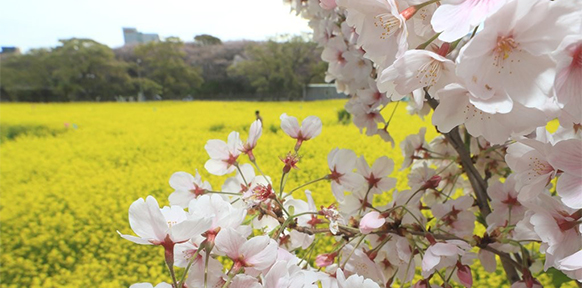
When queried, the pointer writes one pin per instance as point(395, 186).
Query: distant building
point(10, 50)
point(323, 91)
point(132, 36)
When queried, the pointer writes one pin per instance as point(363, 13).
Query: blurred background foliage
point(85, 70)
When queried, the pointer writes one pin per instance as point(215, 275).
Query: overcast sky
point(40, 23)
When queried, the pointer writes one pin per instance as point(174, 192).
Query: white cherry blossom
point(310, 128)
point(167, 226)
point(223, 155)
point(509, 61)
point(186, 187)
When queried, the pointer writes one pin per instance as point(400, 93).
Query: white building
point(132, 36)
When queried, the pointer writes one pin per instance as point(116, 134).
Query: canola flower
point(66, 190)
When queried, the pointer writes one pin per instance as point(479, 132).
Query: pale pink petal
point(218, 167)
point(487, 260)
point(255, 133)
point(452, 109)
point(146, 219)
point(362, 166)
point(383, 166)
point(234, 144)
point(444, 249)
point(188, 229)
point(134, 239)
point(311, 127)
point(290, 125)
point(570, 189)
point(371, 221)
point(181, 198)
point(260, 252)
point(572, 262)
point(566, 155)
point(229, 242)
point(182, 181)
point(353, 181)
point(216, 149)
point(245, 281)
point(429, 261)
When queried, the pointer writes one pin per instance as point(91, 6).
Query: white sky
point(40, 23)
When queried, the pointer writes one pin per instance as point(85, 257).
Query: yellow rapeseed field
point(70, 171)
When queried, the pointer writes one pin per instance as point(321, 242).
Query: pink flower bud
point(421, 284)
point(371, 221)
point(432, 183)
point(464, 274)
point(324, 260)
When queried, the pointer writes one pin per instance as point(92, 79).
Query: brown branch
point(479, 186)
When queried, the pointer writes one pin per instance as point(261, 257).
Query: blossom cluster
point(494, 73)
point(497, 70)
point(258, 228)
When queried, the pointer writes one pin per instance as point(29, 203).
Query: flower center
point(428, 74)
point(505, 45)
point(197, 190)
point(387, 21)
point(577, 57)
point(539, 167)
point(335, 176)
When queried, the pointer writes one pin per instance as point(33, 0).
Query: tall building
point(10, 50)
point(132, 36)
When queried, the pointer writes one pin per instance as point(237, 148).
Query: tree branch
point(479, 186)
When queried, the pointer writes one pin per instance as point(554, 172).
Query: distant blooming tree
point(494, 188)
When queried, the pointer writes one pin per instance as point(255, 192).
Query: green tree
point(281, 68)
point(163, 63)
point(28, 77)
point(87, 70)
point(206, 40)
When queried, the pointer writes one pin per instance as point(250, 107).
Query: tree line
point(85, 70)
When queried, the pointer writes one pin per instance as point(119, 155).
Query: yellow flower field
point(70, 171)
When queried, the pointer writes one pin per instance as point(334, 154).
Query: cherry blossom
point(254, 134)
point(495, 124)
point(529, 161)
point(240, 183)
point(341, 162)
point(376, 176)
point(167, 226)
point(224, 215)
point(310, 128)
point(567, 83)
point(365, 117)
point(413, 147)
point(288, 275)
point(223, 156)
point(258, 252)
point(455, 216)
point(456, 19)
point(558, 227)
point(444, 254)
point(245, 281)
point(507, 209)
point(514, 53)
point(572, 265)
point(418, 69)
point(371, 221)
point(215, 276)
point(566, 156)
point(354, 281)
point(187, 187)
point(360, 263)
point(381, 28)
